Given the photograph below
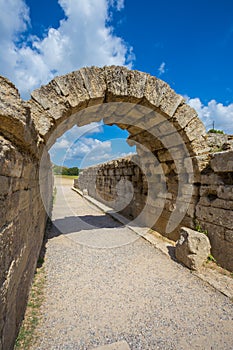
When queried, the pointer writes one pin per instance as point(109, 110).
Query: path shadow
point(48, 229)
point(74, 224)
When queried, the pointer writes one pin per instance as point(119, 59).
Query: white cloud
point(83, 38)
point(10, 25)
point(161, 68)
point(77, 147)
point(120, 5)
point(63, 143)
point(89, 145)
point(75, 133)
point(221, 115)
point(99, 152)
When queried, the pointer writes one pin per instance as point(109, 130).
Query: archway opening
point(156, 188)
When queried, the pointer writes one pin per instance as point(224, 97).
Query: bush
point(71, 171)
point(214, 131)
point(62, 170)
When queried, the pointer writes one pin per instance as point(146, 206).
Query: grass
point(27, 334)
point(54, 194)
point(71, 177)
point(211, 258)
point(198, 228)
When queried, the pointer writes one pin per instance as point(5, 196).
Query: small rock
point(85, 192)
point(192, 248)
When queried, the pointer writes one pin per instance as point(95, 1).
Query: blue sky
point(189, 44)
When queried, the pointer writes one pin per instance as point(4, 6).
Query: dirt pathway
point(106, 285)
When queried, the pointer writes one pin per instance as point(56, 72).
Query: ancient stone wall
point(22, 213)
point(124, 186)
point(214, 210)
point(140, 191)
point(119, 184)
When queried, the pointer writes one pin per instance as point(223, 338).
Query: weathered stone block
point(117, 84)
point(215, 215)
point(43, 121)
point(15, 116)
point(229, 236)
point(159, 94)
point(94, 81)
point(52, 101)
point(137, 84)
point(222, 162)
point(11, 161)
point(183, 116)
point(194, 130)
point(192, 248)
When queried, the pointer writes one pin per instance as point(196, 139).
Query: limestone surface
point(192, 248)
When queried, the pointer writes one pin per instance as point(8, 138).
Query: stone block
point(72, 87)
point(192, 248)
point(229, 236)
point(51, 99)
point(222, 162)
point(117, 84)
point(216, 216)
point(159, 94)
point(43, 121)
point(194, 130)
point(137, 84)
point(183, 116)
point(94, 82)
point(11, 160)
point(211, 179)
point(16, 121)
point(5, 182)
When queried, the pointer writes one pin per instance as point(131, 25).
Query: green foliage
point(54, 194)
point(72, 171)
point(217, 149)
point(211, 258)
point(214, 131)
point(62, 170)
point(198, 228)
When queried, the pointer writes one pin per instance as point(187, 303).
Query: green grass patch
point(211, 258)
point(54, 194)
point(199, 228)
point(71, 177)
point(27, 334)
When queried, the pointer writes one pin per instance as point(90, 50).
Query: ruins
point(181, 176)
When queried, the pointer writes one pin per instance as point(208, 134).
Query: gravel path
point(105, 284)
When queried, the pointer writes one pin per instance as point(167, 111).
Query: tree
point(62, 170)
point(72, 171)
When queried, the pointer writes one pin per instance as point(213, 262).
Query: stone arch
point(159, 120)
point(65, 95)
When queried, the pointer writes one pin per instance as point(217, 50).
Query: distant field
point(71, 177)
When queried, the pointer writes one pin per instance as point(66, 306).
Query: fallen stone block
point(192, 248)
point(85, 192)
